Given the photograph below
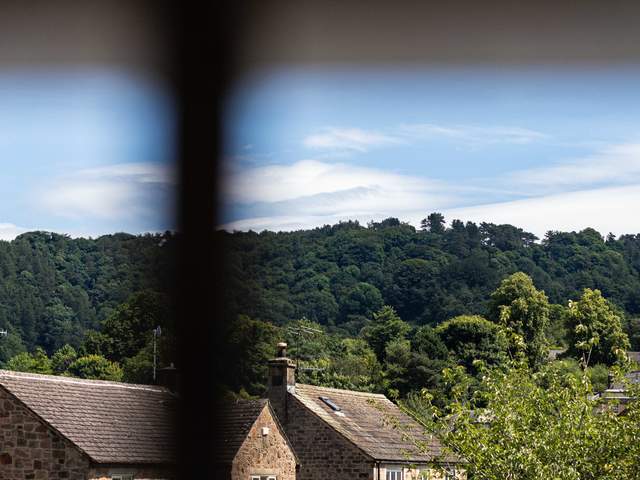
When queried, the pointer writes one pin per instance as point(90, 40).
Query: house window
point(122, 476)
point(394, 474)
point(263, 477)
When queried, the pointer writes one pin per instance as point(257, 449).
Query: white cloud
point(613, 165)
point(9, 231)
point(114, 191)
point(356, 139)
point(349, 139)
point(472, 134)
point(274, 183)
point(312, 193)
point(605, 209)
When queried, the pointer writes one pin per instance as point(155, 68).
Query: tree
point(527, 425)
point(10, 346)
point(250, 343)
point(470, 338)
point(130, 326)
point(434, 223)
point(362, 299)
point(385, 327)
point(357, 362)
point(139, 368)
point(429, 358)
point(62, 358)
point(95, 367)
point(595, 330)
point(426, 341)
point(22, 362)
point(519, 306)
point(397, 358)
point(36, 362)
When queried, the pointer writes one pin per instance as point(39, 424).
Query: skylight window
point(331, 405)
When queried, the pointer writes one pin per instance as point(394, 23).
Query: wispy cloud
point(115, 191)
point(617, 164)
point(472, 134)
point(605, 209)
point(349, 139)
point(360, 140)
point(325, 191)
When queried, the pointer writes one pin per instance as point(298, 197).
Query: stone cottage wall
point(264, 454)
point(412, 472)
point(140, 473)
point(29, 449)
point(321, 451)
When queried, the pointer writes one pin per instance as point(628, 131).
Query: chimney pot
point(282, 350)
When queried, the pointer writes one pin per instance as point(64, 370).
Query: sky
point(541, 148)
point(85, 152)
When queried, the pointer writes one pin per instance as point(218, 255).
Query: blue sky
point(539, 147)
point(84, 152)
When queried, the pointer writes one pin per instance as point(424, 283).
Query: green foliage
point(385, 327)
point(36, 362)
point(470, 338)
point(598, 374)
point(130, 327)
point(556, 332)
point(250, 343)
point(520, 307)
point(65, 361)
point(595, 330)
point(10, 346)
point(536, 425)
point(426, 276)
point(139, 368)
point(63, 358)
point(54, 288)
point(95, 367)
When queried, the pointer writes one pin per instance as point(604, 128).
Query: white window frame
point(263, 477)
point(122, 476)
point(397, 471)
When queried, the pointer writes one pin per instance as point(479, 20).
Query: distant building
point(347, 435)
point(249, 443)
point(634, 357)
point(67, 428)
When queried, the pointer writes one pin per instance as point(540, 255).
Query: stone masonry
point(321, 449)
point(140, 473)
point(29, 449)
point(268, 454)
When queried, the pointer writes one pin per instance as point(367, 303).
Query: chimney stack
point(282, 380)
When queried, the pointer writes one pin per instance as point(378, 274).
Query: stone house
point(55, 427)
point(250, 444)
point(348, 435)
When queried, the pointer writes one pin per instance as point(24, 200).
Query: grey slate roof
point(111, 422)
point(233, 421)
point(367, 420)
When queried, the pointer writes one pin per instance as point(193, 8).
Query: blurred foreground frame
point(199, 50)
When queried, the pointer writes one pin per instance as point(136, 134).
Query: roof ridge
point(80, 381)
point(342, 390)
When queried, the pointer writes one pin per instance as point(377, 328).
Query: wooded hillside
point(339, 275)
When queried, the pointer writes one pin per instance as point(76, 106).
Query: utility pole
point(156, 333)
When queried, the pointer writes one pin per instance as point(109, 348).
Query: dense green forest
point(89, 301)
point(386, 307)
point(430, 288)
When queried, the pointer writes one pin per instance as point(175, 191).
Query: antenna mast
point(302, 331)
